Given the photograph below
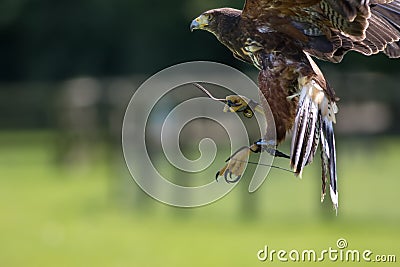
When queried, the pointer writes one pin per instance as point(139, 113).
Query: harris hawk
point(278, 37)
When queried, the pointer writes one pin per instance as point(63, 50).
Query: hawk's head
point(216, 21)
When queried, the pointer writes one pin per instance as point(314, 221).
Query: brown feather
point(276, 86)
point(393, 50)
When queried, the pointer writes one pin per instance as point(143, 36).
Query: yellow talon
point(235, 166)
point(236, 103)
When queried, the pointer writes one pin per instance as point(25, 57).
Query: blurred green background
point(67, 72)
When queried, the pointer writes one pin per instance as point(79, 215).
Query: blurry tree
point(54, 40)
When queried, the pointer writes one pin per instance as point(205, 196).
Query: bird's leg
point(233, 170)
point(270, 147)
point(237, 103)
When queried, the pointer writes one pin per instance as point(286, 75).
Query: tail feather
point(325, 171)
point(329, 158)
point(306, 128)
point(313, 125)
point(316, 139)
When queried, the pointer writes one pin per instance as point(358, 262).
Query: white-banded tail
point(314, 125)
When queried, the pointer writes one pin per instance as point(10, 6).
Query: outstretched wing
point(347, 16)
point(329, 28)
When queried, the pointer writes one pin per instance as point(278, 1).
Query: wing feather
point(329, 29)
point(347, 16)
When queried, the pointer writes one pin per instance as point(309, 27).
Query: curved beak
point(199, 23)
point(194, 25)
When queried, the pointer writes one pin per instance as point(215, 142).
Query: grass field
point(93, 214)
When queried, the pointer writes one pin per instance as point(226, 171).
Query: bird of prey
point(278, 37)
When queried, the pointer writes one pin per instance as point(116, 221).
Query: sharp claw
point(234, 168)
point(238, 178)
point(235, 180)
point(230, 180)
point(216, 176)
point(226, 176)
